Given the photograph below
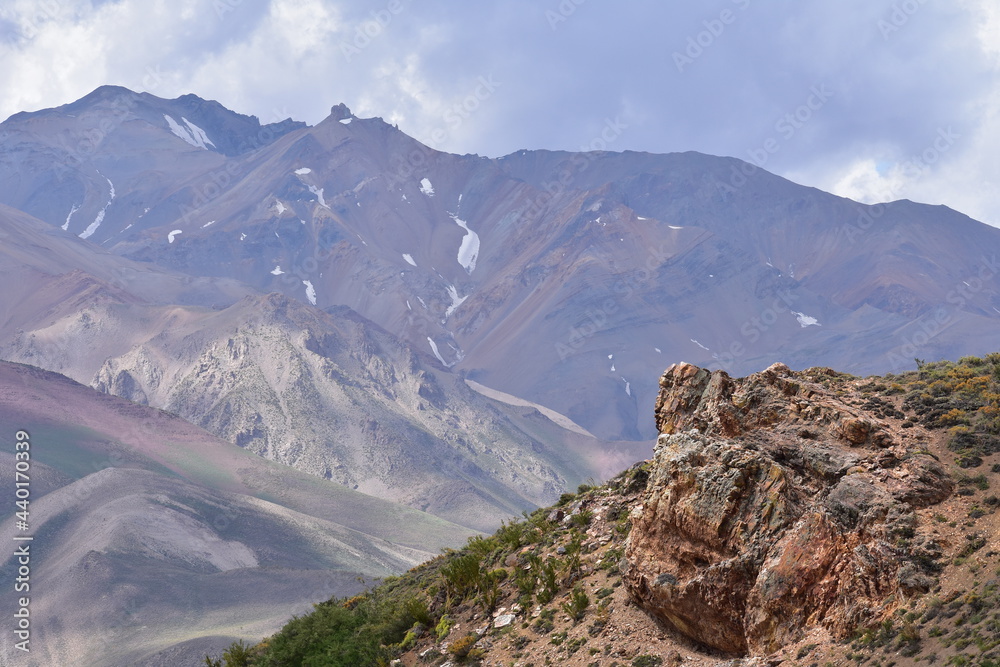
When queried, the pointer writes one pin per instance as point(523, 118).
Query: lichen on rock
point(773, 506)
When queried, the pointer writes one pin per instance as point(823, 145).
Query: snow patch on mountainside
point(198, 134)
point(303, 171)
point(192, 134)
point(468, 252)
point(346, 121)
point(281, 207)
point(171, 235)
point(456, 301)
point(700, 345)
point(92, 227)
point(277, 270)
point(70, 215)
point(434, 349)
point(426, 187)
point(207, 224)
point(310, 292)
point(409, 259)
point(805, 320)
point(319, 195)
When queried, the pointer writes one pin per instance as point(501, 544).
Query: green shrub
point(465, 648)
point(547, 576)
point(331, 635)
point(237, 655)
point(489, 588)
point(647, 661)
point(443, 627)
point(462, 575)
point(577, 605)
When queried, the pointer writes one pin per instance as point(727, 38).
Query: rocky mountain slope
point(788, 518)
point(324, 391)
point(153, 537)
point(537, 274)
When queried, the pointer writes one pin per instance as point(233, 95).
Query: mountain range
point(535, 274)
point(466, 337)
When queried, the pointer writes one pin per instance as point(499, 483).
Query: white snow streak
point(198, 134)
point(468, 252)
point(700, 345)
point(434, 349)
point(409, 259)
point(71, 212)
point(171, 235)
point(303, 171)
point(426, 187)
point(277, 270)
point(310, 292)
point(92, 227)
point(346, 121)
point(281, 207)
point(211, 222)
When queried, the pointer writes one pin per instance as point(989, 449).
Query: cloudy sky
point(871, 99)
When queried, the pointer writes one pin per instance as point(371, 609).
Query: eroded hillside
point(798, 518)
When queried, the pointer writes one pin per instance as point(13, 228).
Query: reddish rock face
point(773, 506)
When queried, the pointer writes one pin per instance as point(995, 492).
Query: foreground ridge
point(798, 518)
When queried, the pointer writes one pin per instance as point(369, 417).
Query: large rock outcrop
point(772, 506)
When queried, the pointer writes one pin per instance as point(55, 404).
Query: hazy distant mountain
point(141, 520)
point(329, 393)
point(557, 277)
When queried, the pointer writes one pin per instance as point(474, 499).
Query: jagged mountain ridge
point(542, 272)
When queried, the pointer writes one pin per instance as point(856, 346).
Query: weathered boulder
point(773, 506)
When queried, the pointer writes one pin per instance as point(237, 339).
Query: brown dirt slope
point(798, 518)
